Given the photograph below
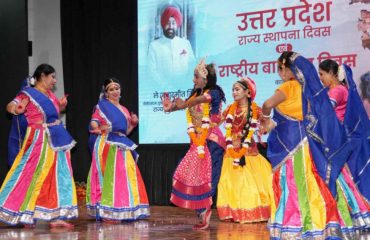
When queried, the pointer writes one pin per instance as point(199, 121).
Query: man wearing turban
point(170, 57)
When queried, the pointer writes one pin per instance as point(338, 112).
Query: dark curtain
point(13, 65)
point(99, 40)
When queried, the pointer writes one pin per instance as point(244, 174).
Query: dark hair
point(45, 69)
point(243, 83)
point(246, 127)
point(211, 83)
point(332, 66)
point(329, 65)
point(285, 60)
point(110, 80)
point(365, 86)
point(245, 86)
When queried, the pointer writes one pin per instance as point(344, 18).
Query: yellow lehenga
point(244, 192)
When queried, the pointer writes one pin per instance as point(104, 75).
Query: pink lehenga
point(195, 179)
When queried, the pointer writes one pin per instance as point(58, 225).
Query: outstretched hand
point(166, 102)
point(180, 103)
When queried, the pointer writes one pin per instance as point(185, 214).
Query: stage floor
point(165, 223)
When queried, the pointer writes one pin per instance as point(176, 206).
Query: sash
point(328, 144)
point(16, 136)
point(17, 132)
point(59, 138)
point(357, 127)
point(118, 125)
point(284, 138)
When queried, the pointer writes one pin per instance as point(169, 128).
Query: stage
point(166, 222)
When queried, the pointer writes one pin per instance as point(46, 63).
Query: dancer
point(303, 151)
point(351, 113)
point(197, 175)
point(40, 185)
point(245, 186)
point(337, 89)
point(115, 189)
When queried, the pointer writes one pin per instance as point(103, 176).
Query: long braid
point(246, 129)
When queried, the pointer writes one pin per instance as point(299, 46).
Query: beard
point(169, 33)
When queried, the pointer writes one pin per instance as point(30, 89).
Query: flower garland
point(250, 127)
point(201, 140)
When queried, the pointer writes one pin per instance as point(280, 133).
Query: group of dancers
point(40, 184)
point(312, 184)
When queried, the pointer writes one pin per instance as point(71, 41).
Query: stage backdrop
point(243, 38)
point(13, 65)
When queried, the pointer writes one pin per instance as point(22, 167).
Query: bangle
point(266, 116)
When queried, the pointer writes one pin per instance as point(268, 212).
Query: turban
point(171, 12)
point(246, 81)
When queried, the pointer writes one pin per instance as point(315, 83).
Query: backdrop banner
point(243, 38)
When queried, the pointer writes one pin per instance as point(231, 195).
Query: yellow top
point(292, 105)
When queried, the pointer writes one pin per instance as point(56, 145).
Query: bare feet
point(60, 223)
point(29, 226)
point(111, 221)
point(204, 224)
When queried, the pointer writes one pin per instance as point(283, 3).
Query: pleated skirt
point(244, 192)
point(115, 189)
point(195, 179)
point(39, 185)
point(349, 197)
point(302, 206)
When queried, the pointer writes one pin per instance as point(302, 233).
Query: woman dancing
point(197, 175)
point(303, 151)
point(115, 189)
point(40, 185)
point(245, 188)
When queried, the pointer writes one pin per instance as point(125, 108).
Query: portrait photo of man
point(170, 56)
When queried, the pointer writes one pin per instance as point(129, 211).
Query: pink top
point(32, 112)
point(338, 96)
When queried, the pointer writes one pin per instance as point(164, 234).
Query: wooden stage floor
point(165, 223)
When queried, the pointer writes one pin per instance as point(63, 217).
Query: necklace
point(200, 140)
point(239, 120)
point(241, 113)
point(248, 129)
point(45, 92)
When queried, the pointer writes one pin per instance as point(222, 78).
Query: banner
point(243, 38)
